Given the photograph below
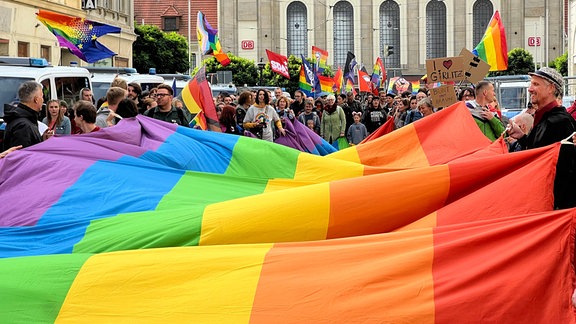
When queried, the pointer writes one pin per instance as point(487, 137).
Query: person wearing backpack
point(165, 111)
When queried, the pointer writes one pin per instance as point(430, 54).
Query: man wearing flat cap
point(552, 123)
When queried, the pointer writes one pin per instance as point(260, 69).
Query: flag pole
point(189, 40)
point(317, 55)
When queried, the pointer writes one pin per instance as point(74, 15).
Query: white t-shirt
point(266, 115)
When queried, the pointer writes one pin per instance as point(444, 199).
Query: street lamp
point(261, 66)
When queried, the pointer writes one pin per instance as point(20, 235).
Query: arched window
point(481, 12)
point(435, 29)
point(390, 32)
point(297, 29)
point(343, 31)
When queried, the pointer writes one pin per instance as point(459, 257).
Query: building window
point(45, 52)
point(390, 32)
point(343, 31)
point(170, 23)
point(297, 29)
point(192, 62)
point(23, 49)
point(121, 61)
point(106, 4)
point(121, 6)
point(481, 13)
point(4, 46)
point(435, 29)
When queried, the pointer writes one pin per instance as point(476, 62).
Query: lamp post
point(261, 66)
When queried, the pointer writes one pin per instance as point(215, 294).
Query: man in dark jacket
point(22, 120)
point(298, 105)
point(552, 123)
point(350, 105)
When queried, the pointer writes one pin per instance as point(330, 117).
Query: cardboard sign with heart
point(445, 69)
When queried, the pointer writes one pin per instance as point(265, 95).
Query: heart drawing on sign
point(447, 64)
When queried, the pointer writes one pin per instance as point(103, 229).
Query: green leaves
point(167, 52)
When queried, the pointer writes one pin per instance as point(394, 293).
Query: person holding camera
point(260, 116)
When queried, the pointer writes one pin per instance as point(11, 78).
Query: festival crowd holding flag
point(180, 226)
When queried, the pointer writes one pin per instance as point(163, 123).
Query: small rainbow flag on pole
point(197, 97)
point(493, 47)
point(208, 40)
point(78, 35)
point(320, 57)
point(338, 77)
point(324, 86)
point(378, 75)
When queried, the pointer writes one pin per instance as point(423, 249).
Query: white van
point(59, 82)
point(217, 88)
point(512, 93)
point(181, 81)
point(102, 78)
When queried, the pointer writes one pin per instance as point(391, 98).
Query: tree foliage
point(244, 71)
point(153, 48)
point(520, 61)
point(560, 64)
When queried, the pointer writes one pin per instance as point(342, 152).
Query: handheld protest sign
point(445, 69)
point(474, 67)
point(443, 96)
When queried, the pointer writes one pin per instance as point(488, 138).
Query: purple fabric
point(133, 137)
point(291, 139)
point(307, 139)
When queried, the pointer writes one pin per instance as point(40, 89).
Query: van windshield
point(513, 98)
point(9, 89)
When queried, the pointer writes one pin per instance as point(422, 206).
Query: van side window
point(46, 89)
point(69, 87)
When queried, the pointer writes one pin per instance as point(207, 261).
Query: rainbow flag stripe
point(414, 276)
point(493, 47)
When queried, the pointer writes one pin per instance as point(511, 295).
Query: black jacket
point(21, 127)
point(555, 125)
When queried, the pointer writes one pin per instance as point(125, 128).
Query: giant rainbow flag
point(493, 47)
point(150, 221)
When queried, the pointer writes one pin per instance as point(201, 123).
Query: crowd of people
point(260, 113)
point(346, 116)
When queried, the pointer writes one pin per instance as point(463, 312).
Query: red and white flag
point(364, 81)
point(278, 63)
